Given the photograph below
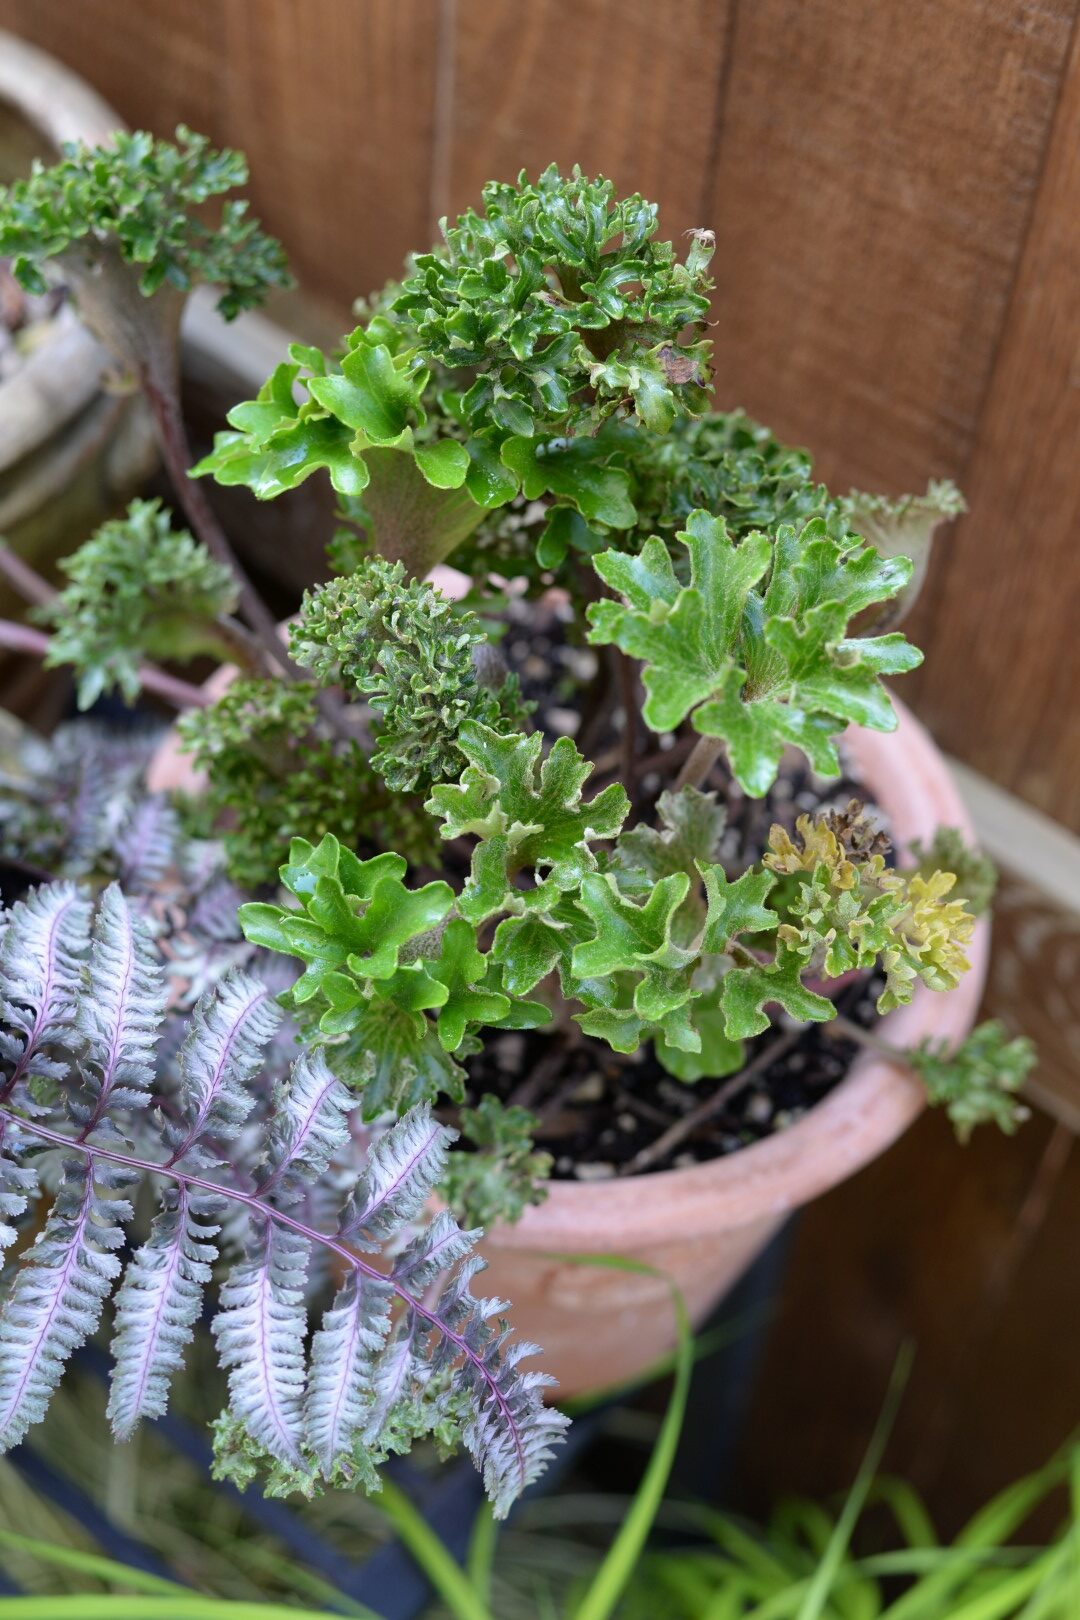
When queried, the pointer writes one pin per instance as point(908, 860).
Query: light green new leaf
point(536, 807)
point(461, 967)
point(747, 990)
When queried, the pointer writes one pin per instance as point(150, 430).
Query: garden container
point(703, 1226)
point(71, 449)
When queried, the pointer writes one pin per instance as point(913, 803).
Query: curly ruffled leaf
point(410, 654)
point(534, 809)
point(755, 647)
point(144, 197)
point(557, 307)
point(139, 589)
point(976, 1082)
point(274, 775)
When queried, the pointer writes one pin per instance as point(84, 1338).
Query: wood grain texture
point(895, 185)
point(626, 88)
point(332, 100)
point(877, 168)
point(1002, 685)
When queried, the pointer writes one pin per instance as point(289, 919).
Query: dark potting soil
point(601, 1113)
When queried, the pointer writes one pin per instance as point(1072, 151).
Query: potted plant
point(72, 445)
point(559, 865)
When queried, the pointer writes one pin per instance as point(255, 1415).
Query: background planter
point(703, 1226)
point(71, 451)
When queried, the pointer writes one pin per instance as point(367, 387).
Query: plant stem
point(162, 395)
point(180, 694)
point(842, 1025)
point(703, 756)
point(628, 700)
point(22, 578)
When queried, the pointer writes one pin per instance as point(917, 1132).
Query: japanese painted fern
point(403, 1350)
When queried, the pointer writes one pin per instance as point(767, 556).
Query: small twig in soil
point(531, 1088)
point(180, 694)
point(684, 1127)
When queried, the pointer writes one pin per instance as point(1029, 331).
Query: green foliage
point(389, 973)
point(727, 464)
point(406, 649)
point(139, 589)
point(271, 773)
point(755, 647)
point(560, 308)
point(486, 373)
point(976, 874)
point(504, 1175)
point(141, 196)
point(848, 910)
point(976, 1082)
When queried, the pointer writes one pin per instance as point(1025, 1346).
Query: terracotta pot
point(71, 450)
point(703, 1226)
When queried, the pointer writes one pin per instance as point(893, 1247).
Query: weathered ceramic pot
point(702, 1226)
point(71, 450)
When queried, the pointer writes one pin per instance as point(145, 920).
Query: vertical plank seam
point(949, 562)
point(723, 85)
point(442, 122)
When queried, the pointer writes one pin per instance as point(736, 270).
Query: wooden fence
point(895, 187)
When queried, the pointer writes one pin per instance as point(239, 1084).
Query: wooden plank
point(968, 1252)
point(1001, 687)
point(611, 84)
point(157, 62)
point(877, 165)
point(333, 103)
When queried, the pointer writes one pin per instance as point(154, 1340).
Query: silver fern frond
point(400, 1353)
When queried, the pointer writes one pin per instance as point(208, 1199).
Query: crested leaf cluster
point(402, 646)
point(138, 589)
point(645, 932)
point(145, 198)
point(750, 639)
point(272, 774)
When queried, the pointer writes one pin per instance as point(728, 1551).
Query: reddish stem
point(180, 694)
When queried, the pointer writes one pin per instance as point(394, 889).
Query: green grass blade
point(813, 1604)
point(102, 1569)
point(622, 1556)
point(431, 1554)
point(481, 1553)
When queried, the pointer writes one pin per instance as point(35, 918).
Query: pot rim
point(872, 1106)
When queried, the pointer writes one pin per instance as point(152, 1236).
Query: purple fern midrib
point(149, 1349)
point(301, 1136)
point(41, 1016)
point(289, 1441)
point(109, 1067)
point(346, 1361)
point(268, 1212)
point(398, 1182)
